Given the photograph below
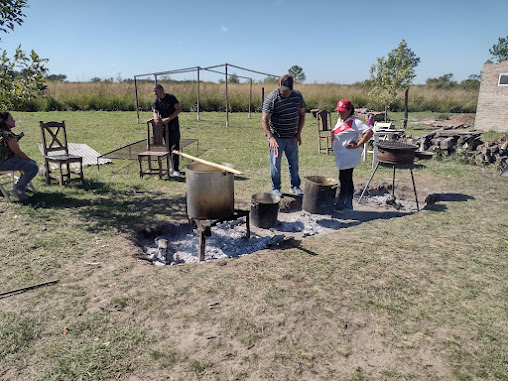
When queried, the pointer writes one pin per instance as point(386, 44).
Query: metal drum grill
point(395, 153)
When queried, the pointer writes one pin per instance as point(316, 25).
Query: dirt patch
point(454, 121)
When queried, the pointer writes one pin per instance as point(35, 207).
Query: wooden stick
point(211, 164)
point(20, 290)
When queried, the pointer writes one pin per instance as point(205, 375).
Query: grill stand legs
point(393, 184)
point(204, 228)
point(414, 188)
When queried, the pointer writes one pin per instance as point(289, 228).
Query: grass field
point(419, 297)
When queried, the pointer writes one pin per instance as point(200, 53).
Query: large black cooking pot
point(396, 152)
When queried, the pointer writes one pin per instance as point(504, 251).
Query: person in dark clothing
point(13, 158)
point(165, 110)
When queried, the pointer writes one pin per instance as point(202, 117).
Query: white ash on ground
point(228, 239)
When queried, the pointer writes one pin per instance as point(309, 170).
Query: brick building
point(492, 108)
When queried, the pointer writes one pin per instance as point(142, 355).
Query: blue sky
point(331, 41)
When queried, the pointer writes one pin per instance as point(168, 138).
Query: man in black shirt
point(165, 110)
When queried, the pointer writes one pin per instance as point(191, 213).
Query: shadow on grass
point(433, 198)
point(104, 208)
point(356, 217)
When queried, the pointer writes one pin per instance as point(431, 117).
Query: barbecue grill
point(394, 153)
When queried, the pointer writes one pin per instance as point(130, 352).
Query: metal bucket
point(319, 194)
point(210, 192)
point(264, 209)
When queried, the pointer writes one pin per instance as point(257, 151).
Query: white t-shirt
point(344, 132)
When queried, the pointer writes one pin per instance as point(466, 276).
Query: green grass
point(420, 297)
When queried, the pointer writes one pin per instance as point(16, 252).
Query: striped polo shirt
point(285, 117)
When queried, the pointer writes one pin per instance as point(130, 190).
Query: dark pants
point(345, 200)
point(174, 143)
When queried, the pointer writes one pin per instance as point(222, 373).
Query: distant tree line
point(446, 82)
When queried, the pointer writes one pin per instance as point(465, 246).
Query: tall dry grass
point(121, 96)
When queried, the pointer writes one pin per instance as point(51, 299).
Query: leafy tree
point(11, 14)
point(297, 73)
point(17, 89)
point(499, 51)
point(445, 81)
point(270, 80)
point(472, 83)
point(233, 78)
point(56, 77)
point(393, 73)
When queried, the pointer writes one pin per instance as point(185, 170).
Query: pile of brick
point(446, 141)
point(494, 152)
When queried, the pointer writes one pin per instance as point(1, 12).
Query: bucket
point(264, 209)
point(210, 192)
point(319, 194)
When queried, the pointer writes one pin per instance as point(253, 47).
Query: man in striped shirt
point(283, 120)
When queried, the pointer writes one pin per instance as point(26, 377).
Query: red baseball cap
point(343, 105)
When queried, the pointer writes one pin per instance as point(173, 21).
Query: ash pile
point(228, 239)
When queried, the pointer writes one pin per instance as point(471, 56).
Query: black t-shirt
point(166, 107)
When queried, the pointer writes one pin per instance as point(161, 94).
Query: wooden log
point(210, 163)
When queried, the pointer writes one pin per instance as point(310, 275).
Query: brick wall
point(492, 108)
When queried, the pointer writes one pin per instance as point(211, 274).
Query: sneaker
point(296, 191)
point(175, 173)
point(19, 194)
point(276, 193)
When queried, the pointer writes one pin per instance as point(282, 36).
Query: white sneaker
point(296, 191)
point(276, 193)
point(175, 173)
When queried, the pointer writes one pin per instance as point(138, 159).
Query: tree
point(17, 89)
point(233, 78)
point(394, 73)
point(499, 51)
point(445, 81)
point(270, 80)
point(56, 77)
point(297, 73)
point(10, 14)
point(472, 83)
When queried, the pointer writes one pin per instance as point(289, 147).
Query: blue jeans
point(28, 168)
point(289, 146)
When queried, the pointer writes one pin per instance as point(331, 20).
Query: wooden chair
point(157, 151)
point(56, 154)
point(8, 181)
point(324, 122)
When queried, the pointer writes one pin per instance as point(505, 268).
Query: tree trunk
point(406, 101)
